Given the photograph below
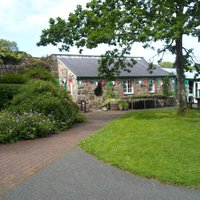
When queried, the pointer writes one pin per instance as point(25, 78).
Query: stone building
point(78, 74)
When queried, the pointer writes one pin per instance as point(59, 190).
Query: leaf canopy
point(123, 22)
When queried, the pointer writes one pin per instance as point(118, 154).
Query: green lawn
point(154, 144)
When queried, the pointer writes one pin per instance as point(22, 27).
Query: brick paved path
point(22, 159)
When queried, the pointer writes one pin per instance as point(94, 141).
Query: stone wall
point(84, 90)
point(141, 86)
point(7, 69)
point(49, 62)
point(67, 79)
point(52, 61)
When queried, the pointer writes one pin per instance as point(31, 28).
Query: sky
point(22, 21)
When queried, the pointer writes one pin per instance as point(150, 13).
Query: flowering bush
point(37, 109)
point(46, 98)
point(30, 125)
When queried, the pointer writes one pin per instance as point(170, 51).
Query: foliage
point(123, 104)
point(167, 64)
point(46, 98)
point(30, 125)
point(113, 62)
point(8, 45)
point(34, 109)
point(14, 58)
point(155, 144)
point(110, 95)
point(143, 21)
point(7, 92)
point(40, 73)
point(13, 79)
point(43, 62)
point(9, 53)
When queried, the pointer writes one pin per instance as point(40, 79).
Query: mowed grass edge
point(154, 144)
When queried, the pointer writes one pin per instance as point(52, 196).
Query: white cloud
point(22, 21)
point(16, 15)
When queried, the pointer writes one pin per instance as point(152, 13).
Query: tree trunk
point(181, 93)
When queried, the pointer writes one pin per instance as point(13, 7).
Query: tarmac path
point(54, 168)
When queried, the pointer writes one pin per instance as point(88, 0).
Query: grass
point(155, 144)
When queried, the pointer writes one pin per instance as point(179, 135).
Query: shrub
point(13, 79)
point(40, 73)
point(7, 92)
point(38, 62)
point(14, 127)
point(48, 99)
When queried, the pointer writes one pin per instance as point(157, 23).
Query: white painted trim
point(127, 88)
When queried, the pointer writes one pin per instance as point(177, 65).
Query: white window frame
point(128, 87)
point(151, 87)
point(196, 89)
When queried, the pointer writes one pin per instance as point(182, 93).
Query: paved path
point(79, 176)
point(22, 159)
point(74, 175)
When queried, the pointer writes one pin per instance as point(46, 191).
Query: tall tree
point(120, 23)
point(9, 52)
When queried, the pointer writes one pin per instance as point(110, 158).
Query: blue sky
point(23, 20)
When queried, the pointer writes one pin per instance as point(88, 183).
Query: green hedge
point(7, 92)
point(13, 79)
point(40, 73)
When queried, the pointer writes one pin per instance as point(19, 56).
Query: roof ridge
point(92, 56)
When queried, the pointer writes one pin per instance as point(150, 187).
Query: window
point(151, 86)
point(197, 89)
point(128, 87)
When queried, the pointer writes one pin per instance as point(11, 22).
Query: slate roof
point(86, 66)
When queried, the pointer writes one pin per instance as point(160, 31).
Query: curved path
point(22, 159)
point(74, 174)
